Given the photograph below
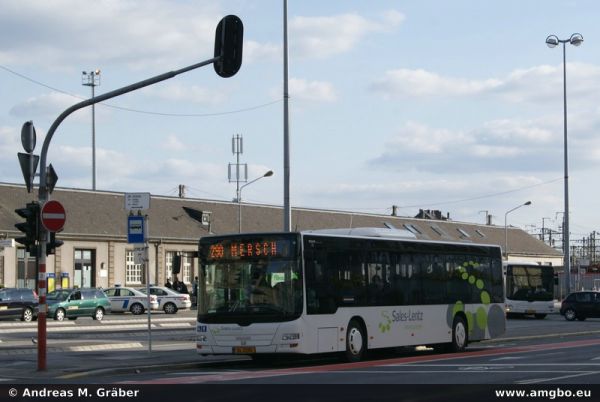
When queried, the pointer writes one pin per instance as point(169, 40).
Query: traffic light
point(30, 227)
point(53, 244)
point(229, 38)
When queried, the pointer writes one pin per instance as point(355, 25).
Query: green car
point(74, 303)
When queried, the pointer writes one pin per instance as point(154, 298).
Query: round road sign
point(53, 216)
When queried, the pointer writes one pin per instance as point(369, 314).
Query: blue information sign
point(135, 229)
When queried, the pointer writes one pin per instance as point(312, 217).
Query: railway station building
point(96, 253)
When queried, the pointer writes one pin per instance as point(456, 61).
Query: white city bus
point(345, 290)
point(529, 289)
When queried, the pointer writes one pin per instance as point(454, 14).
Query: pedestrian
point(169, 284)
point(195, 291)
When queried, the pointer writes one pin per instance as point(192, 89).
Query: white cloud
point(179, 92)
point(535, 84)
point(45, 105)
point(319, 91)
point(495, 146)
point(326, 36)
point(405, 82)
point(106, 30)
point(172, 143)
point(419, 138)
point(254, 51)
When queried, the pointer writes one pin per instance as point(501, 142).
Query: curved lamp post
point(239, 197)
point(552, 41)
point(506, 227)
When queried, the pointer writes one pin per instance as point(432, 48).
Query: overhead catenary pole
point(287, 210)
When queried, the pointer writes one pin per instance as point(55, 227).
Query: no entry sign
point(53, 216)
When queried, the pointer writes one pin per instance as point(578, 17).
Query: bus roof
point(360, 232)
point(365, 232)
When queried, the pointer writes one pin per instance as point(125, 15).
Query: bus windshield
point(529, 283)
point(249, 280)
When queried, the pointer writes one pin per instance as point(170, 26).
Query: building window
point(169, 265)
point(412, 228)
point(84, 269)
point(463, 233)
point(438, 230)
point(187, 262)
point(25, 269)
point(187, 266)
point(133, 272)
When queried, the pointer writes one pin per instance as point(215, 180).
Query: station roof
point(101, 215)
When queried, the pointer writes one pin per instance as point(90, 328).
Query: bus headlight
point(201, 338)
point(290, 337)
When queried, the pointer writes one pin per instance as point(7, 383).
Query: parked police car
point(123, 299)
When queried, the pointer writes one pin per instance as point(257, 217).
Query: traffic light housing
point(53, 244)
point(30, 227)
point(229, 38)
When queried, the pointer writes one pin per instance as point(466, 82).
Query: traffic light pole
point(43, 191)
point(227, 61)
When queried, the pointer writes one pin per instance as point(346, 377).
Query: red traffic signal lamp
point(229, 39)
point(30, 227)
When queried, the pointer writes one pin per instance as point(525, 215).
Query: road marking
point(107, 346)
point(540, 380)
point(509, 358)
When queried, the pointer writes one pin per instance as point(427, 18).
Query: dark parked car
point(581, 305)
point(18, 303)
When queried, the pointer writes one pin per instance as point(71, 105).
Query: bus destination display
point(233, 249)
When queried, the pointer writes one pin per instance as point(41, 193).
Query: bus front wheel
point(459, 335)
point(356, 342)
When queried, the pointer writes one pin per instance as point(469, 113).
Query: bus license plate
point(244, 349)
point(530, 311)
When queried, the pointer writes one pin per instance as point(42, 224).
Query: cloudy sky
point(456, 106)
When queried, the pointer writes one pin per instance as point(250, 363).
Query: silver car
point(123, 299)
point(169, 300)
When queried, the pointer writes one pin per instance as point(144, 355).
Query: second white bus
point(529, 289)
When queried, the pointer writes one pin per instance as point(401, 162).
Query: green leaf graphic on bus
point(387, 325)
point(485, 316)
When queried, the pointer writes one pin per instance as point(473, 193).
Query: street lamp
point(552, 41)
point(506, 228)
point(239, 197)
point(92, 79)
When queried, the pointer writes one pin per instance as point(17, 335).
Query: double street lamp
point(92, 79)
point(506, 227)
point(239, 197)
point(552, 41)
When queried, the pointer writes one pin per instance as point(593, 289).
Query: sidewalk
point(77, 362)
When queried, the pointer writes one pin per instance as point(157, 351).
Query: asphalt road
point(549, 351)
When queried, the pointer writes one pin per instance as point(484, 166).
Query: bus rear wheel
point(356, 342)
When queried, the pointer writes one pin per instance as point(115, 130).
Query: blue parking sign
point(136, 232)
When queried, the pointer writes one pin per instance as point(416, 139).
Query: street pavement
point(88, 349)
point(89, 361)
